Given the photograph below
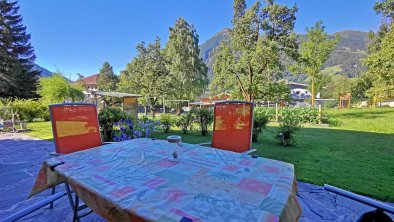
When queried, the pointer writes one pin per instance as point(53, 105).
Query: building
point(299, 91)
point(91, 82)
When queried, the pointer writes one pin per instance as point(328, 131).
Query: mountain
point(344, 60)
point(351, 48)
point(44, 72)
point(206, 49)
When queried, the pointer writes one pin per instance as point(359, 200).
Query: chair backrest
point(75, 127)
point(233, 124)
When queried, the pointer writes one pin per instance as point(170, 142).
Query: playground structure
point(344, 101)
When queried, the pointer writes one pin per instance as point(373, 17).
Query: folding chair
point(75, 127)
point(233, 126)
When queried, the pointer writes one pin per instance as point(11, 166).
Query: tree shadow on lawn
point(362, 162)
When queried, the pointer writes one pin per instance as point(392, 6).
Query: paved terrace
point(21, 157)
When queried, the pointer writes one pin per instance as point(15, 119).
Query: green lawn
point(357, 154)
point(42, 130)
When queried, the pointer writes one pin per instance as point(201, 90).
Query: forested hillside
point(345, 59)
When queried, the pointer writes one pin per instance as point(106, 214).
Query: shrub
point(185, 122)
point(305, 115)
point(108, 117)
point(44, 112)
point(205, 118)
point(260, 120)
point(266, 111)
point(166, 121)
point(289, 124)
point(27, 109)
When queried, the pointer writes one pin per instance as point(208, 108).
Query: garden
point(353, 151)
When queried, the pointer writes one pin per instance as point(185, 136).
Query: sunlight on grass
point(379, 120)
point(42, 130)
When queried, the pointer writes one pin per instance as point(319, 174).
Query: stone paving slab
point(21, 157)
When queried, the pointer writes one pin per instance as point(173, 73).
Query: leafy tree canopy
point(147, 73)
point(80, 81)
point(56, 89)
point(313, 53)
point(386, 10)
point(249, 64)
point(381, 68)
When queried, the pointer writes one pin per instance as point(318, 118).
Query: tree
point(250, 63)
point(56, 89)
point(222, 82)
point(386, 9)
point(107, 80)
point(313, 53)
point(381, 68)
point(147, 74)
point(17, 77)
point(187, 70)
point(80, 82)
point(368, 83)
point(338, 84)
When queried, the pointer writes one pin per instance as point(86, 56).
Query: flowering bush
point(108, 117)
point(126, 130)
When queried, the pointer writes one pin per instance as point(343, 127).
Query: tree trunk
point(152, 107)
point(313, 93)
point(250, 84)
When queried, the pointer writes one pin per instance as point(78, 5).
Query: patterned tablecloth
point(130, 179)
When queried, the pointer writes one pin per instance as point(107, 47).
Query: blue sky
point(77, 36)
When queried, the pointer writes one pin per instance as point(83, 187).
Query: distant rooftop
point(116, 94)
point(91, 80)
point(297, 84)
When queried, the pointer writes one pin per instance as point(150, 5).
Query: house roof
point(91, 80)
point(116, 94)
point(297, 84)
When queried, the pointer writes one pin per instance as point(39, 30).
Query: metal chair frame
point(74, 202)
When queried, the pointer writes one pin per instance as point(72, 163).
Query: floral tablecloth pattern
point(134, 179)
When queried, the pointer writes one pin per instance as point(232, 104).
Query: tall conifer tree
point(187, 69)
point(17, 77)
point(107, 81)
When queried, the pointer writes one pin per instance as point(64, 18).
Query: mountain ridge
point(44, 72)
point(345, 58)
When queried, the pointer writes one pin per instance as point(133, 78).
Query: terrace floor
point(21, 157)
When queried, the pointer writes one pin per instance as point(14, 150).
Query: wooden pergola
point(129, 101)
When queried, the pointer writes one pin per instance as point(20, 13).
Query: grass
point(357, 154)
point(368, 120)
point(42, 130)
